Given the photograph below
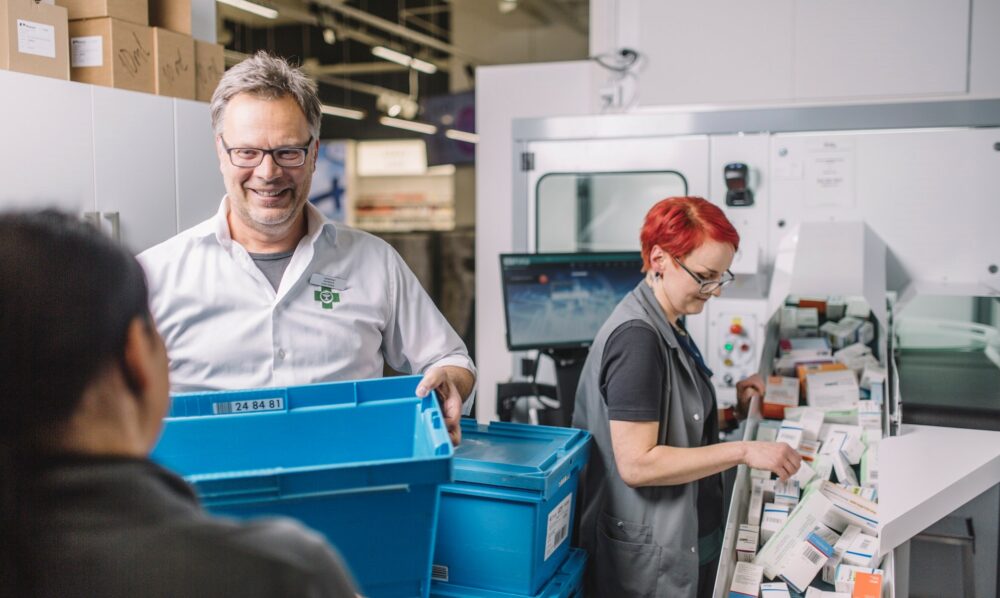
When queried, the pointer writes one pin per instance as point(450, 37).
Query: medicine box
point(746, 580)
point(506, 521)
point(360, 462)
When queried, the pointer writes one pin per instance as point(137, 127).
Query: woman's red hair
point(679, 225)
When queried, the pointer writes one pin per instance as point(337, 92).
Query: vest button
point(697, 417)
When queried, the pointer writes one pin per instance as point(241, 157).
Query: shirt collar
point(316, 224)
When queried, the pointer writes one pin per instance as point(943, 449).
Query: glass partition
point(590, 211)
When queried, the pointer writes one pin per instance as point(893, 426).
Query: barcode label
point(814, 556)
point(557, 529)
point(439, 573)
point(273, 404)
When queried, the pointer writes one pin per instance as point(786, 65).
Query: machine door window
point(598, 211)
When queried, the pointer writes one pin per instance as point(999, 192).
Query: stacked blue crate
point(360, 462)
point(506, 521)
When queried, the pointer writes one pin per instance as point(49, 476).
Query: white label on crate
point(86, 51)
point(36, 38)
point(557, 529)
point(439, 573)
point(274, 404)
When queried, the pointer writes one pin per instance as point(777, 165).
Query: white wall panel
point(46, 153)
point(699, 51)
point(199, 183)
point(984, 59)
point(859, 48)
point(504, 93)
point(134, 164)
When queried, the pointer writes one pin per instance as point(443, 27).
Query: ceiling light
point(506, 6)
point(409, 125)
point(404, 59)
point(343, 112)
point(461, 136)
point(257, 9)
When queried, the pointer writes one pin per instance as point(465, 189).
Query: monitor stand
point(569, 365)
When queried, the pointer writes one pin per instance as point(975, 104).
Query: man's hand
point(451, 387)
point(746, 389)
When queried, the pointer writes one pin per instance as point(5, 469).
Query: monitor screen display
point(560, 300)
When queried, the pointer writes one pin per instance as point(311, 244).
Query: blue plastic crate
point(505, 522)
point(360, 462)
point(567, 583)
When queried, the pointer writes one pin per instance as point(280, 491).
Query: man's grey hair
point(267, 77)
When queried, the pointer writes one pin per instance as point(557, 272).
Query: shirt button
point(697, 417)
point(281, 353)
point(693, 550)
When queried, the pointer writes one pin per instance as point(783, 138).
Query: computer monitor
point(560, 300)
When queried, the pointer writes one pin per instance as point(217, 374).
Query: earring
point(657, 275)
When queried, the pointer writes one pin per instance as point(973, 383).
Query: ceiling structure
point(334, 41)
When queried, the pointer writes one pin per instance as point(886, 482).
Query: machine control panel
point(734, 335)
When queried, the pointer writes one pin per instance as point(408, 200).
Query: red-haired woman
point(652, 517)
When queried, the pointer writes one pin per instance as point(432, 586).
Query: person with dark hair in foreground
point(83, 512)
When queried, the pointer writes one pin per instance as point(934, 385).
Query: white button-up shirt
point(346, 303)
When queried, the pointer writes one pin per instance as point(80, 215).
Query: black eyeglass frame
point(263, 152)
point(708, 286)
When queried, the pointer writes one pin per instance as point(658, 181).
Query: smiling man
point(270, 293)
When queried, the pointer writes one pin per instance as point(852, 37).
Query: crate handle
point(433, 416)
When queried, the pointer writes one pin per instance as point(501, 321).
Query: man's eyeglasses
point(251, 157)
point(708, 286)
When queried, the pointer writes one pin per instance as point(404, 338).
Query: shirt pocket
point(626, 563)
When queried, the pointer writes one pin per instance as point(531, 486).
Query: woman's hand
point(777, 457)
point(746, 389)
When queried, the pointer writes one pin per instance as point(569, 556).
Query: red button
point(744, 347)
point(736, 329)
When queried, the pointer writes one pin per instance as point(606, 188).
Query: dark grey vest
point(641, 541)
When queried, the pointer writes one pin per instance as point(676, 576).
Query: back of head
point(679, 225)
point(267, 77)
point(67, 297)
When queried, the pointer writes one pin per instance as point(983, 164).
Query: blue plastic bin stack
point(360, 462)
point(505, 523)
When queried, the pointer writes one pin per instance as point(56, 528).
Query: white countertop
point(927, 472)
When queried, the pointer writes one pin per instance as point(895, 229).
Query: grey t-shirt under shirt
point(273, 265)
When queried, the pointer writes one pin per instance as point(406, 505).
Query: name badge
point(330, 282)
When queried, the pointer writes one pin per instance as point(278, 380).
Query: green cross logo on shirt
point(326, 297)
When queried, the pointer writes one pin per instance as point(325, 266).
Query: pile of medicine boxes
point(816, 534)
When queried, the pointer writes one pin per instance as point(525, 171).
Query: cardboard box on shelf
point(173, 55)
point(174, 15)
point(113, 53)
point(209, 64)
point(790, 433)
point(34, 38)
point(133, 11)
